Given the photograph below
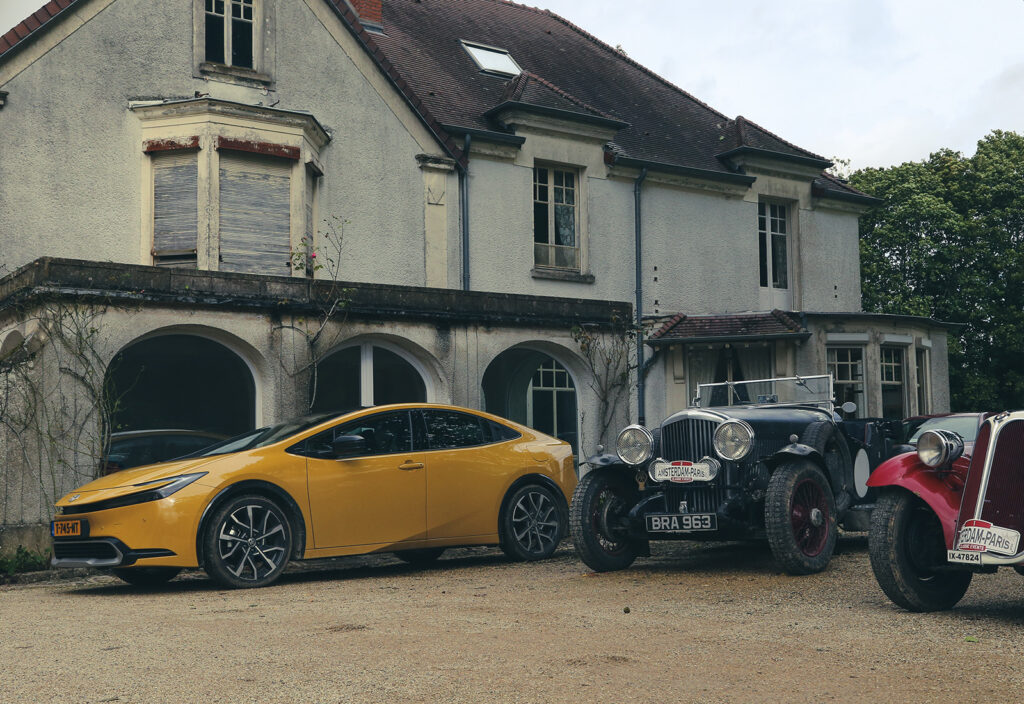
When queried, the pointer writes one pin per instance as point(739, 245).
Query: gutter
point(638, 245)
point(662, 167)
point(569, 115)
point(485, 135)
point(816, 162)
point(464, 205)
point(664, 341)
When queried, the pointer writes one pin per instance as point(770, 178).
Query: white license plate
point(681, 522)
point(968, 558)
point(683, 472)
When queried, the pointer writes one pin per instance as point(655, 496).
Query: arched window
point(366, 375)
point(533, 388)
point(181, 382)
point(551, 402)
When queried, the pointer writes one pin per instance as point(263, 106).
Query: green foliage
point(24, 560)
point(947, 242)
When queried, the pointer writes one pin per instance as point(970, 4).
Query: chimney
point(369, 12)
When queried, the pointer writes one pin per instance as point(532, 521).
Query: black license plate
point(681, 522)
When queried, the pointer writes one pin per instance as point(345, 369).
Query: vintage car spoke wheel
point(248, 542)
point(532, 523)
point(602, 499)
point(421, 557)
point(908, 555)
point(146, 576)
point(800, 518)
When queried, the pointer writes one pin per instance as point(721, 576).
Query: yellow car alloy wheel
point(531, 525)
point(248, 542)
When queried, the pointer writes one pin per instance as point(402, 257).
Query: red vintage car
point(944, 515)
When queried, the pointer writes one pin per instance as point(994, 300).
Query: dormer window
point(492, 60)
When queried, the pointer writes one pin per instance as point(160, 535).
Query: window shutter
point(175, 210)
point(255, 214)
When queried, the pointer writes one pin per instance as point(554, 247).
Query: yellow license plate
point(66, 529)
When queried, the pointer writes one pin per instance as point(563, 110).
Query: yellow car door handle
point(409, 464)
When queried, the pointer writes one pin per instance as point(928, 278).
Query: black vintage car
point(752, 460)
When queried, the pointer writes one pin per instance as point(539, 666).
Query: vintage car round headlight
point(635, 445)
point(938, 447)
point(734, 439)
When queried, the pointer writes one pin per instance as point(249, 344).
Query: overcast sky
point(878, 82)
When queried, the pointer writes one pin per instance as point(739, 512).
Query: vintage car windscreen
point(808, 389)
point(964, 426)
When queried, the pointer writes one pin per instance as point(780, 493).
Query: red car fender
point(908, 472)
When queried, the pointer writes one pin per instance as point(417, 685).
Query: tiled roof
point(666, 125)
point(565, 68)
point(529, 89)
point(31, 24)
point(683, 328)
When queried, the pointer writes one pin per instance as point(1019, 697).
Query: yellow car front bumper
point(154, 533)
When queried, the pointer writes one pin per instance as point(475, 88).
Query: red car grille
point(1004, 500)
point(970, 497)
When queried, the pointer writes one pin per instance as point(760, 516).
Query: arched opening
point(181, 382)
point(535, 389)
point(368, 374)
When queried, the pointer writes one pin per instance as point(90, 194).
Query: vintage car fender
point(602, 461)
point(910, 473)
point(800, 450)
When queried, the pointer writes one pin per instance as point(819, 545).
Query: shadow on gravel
point(735, 558)
point(352, 568)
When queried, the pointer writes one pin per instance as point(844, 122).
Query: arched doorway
point(367, 374)
point(535, 389)
point(183, 382)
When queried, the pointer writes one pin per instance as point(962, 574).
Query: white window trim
point(263, 49)
point(579, 174)
point(862, 406)
point(468, 46)
point(905, 376)
point(366, 346)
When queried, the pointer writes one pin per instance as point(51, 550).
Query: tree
point(947, 242)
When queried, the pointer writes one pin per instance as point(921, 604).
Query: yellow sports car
point(412, 479)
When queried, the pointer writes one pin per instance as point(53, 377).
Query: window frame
point(922, 361)
point(197, 125)
point(551, 205)
point(469, 46)
point(901, 366)
point(859, 394)
point(263, 47)
point(767, 265)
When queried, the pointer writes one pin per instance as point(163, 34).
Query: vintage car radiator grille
point(704, 499)
point(688, 439)
point(1004, 499)
point(973, 486)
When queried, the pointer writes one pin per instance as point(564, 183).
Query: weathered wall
point(69, 109)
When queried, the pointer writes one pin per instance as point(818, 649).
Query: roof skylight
point(492, 59)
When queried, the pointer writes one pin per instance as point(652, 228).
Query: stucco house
point(479, 181)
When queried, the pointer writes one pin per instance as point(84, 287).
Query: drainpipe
point(640, 398)
point(464, 192)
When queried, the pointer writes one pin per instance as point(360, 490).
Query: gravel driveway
point(705, 623)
